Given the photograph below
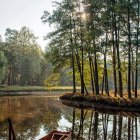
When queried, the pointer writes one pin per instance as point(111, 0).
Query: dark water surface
point(35, 116)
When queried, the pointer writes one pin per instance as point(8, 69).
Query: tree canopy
point(24, 58)
point(101, 37)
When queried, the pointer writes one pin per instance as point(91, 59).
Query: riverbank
point(33, 93)
point(101, 102)
point(32, 90)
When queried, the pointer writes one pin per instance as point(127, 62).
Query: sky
point(17, 13)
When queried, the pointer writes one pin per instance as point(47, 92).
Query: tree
point(88, 31)
point(3, 62)
point(24, 57)
point(137, 48)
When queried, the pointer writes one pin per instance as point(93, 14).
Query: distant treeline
point(22, 62)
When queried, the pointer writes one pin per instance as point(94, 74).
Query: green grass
point(23, 88)
point(62, 88)
point(35, 88)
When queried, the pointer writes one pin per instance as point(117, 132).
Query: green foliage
point(24, 57)
point(16, 88)
point(94, 37)
point(3, 62)
point(52, 80)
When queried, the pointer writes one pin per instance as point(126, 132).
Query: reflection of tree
point(27, 129)
point(28, 115)
point(105, 118)
point(50, 120)
point(91, 120)
point(120, 127)
point(114, 127)
point(3, 130)
point(96, 126)
point(136, 130)
point(129, 128)
point(73, 123)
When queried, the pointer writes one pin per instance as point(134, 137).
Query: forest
point(22, 59)
point(100, 42)
point(23, 62)
point(94, 45)
point(85, 82)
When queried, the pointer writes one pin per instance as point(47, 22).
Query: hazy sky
point(17, 13)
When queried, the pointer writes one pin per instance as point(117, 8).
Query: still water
point(35, 116)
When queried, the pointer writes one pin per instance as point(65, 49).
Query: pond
point(34, 116)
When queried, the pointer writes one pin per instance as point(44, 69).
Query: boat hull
point(57, 135)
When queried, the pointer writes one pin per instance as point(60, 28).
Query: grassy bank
point(22, 88)
point(34, 88)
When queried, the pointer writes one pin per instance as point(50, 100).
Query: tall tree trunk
point(95, 69)
point(96, 74)
point(114, 64)
point(119, 67)
point(73, 69)
point(79, 68)
point(82, 50)
point(73, 62)
point(90, 60)
point(103, 80)
point(105, 69)
point(78, 58)
point(132, 72)
point(82, 73)
point(137, 46)
point(129, 52)
point(91, 73)
point(82, 65)
point(118, 52)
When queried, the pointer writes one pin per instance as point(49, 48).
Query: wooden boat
point(57, 135)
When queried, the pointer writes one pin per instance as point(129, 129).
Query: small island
point(101, 102)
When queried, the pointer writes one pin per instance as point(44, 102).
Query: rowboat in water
point(57, 135)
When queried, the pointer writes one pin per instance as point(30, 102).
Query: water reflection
point(92, 125)
point(34, 117)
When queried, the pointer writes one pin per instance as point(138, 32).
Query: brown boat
point(57, 135)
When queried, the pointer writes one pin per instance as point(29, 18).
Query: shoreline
point(32, 90)
point(101, 103)
point(32, 93)
point(96, 106)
